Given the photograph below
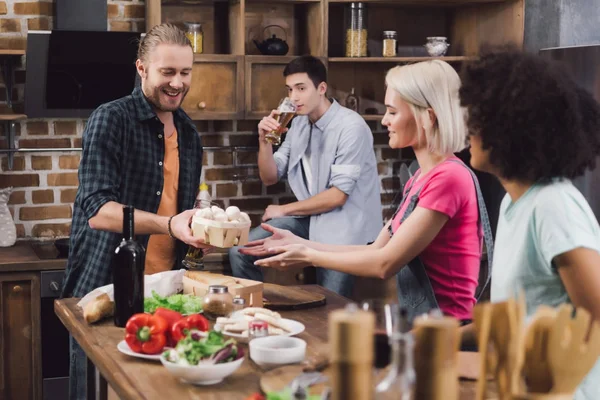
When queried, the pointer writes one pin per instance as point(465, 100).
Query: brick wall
point(45, 183)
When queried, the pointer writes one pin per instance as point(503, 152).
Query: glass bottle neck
point(128, 223)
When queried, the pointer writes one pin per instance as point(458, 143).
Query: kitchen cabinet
point(20, 336)
point(217, 88)
point(317, 27)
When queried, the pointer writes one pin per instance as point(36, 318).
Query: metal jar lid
point(358, 5)
point(239, 300)
point(217, 289)
point(194, 26)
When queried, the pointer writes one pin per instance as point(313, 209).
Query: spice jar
point(238, 304)
point(196, 36)
point(389, 43)
point(356, 30)
point(218, 302)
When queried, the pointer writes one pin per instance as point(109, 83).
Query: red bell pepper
point(185, 325)
point(146, 333)
point(171, 317)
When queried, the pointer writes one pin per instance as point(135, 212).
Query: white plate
point(295, 326)
point(124, 348)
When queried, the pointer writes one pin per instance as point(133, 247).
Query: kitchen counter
point(133, 378)
point(31, 256)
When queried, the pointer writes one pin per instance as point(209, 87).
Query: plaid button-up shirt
point(122, 161)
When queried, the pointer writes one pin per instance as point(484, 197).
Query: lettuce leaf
point(183, 303)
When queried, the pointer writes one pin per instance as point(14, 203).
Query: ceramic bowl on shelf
point(277, 350)
point(437, 46)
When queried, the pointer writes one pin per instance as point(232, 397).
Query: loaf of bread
point(99, 308)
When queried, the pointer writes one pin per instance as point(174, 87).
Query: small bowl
point(201, 374)
point(277, 350)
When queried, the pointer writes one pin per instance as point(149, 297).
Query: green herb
point(183, 303)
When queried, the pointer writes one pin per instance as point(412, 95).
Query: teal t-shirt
point(548, 220)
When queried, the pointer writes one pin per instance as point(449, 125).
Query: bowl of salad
point(203, 360)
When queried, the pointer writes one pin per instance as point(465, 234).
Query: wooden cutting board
point(277, 297)
point(277, 379)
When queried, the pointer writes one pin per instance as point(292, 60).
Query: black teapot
point(273, 46)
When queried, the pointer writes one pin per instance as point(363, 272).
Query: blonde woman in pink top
point(433, 244)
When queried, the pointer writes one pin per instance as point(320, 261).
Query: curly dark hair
point(537, 123)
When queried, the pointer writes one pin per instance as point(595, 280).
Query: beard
point(158, 97)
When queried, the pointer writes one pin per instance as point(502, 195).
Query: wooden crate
point(251, 291)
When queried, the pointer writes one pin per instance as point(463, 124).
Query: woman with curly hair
point(434, 241)
point(535, 130)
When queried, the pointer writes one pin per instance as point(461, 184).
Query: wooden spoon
point(482, 316)
point(570, 356)
point(536, 367)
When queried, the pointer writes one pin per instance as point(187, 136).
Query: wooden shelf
point(15, 52)
point(396, 59)
point(422, 2)
point(372, 117)
point(12, 117)
point(283, 1)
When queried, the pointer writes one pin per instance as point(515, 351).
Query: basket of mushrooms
point(221, 228)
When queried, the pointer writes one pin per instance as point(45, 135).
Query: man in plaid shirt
point(140, 150)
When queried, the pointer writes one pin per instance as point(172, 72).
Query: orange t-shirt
point(160, 252)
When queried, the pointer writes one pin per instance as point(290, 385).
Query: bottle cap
point(203, 186)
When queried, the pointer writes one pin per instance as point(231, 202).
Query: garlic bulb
point(233, 213)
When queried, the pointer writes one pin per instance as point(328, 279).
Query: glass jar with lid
point(389, 43)
point(194, 32)
point(356, 30)
point(218, 302)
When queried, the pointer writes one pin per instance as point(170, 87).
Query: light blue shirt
point(546, 221)
point(341, 156)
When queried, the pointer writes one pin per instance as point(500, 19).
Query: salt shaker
point(238, 304)
point(257, 328)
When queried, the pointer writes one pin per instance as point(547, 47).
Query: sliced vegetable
point(183, 303)
point(186, 325)
point(212, 349)
point(146, 333)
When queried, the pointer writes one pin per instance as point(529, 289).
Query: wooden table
point(133, 378)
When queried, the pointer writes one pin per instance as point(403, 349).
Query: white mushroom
point(220, 217)
point(205, 213)
point(216, 209)
point(244, 217)
point(233, 213)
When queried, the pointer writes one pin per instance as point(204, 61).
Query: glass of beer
point(287, 110)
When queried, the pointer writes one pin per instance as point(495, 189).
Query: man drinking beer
point(329, 161)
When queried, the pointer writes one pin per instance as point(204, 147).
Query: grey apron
point(414, 287)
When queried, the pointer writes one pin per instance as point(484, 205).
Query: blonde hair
point(432, 84)
point(161, 34)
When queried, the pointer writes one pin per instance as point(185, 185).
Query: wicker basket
point(221, 234)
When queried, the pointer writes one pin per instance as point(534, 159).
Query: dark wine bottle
point(128, 272)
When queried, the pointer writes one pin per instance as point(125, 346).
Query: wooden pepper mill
point(351, 337)
point(437, 342)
